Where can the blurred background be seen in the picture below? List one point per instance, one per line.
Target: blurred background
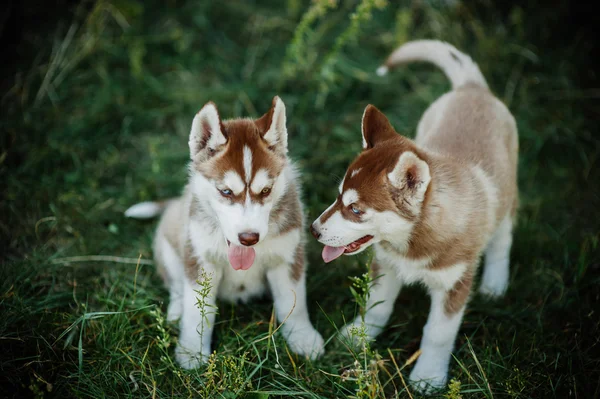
(97, 102)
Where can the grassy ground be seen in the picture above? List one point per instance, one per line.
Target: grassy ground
(99, 118)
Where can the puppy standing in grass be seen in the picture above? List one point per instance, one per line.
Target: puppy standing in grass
(239, 220)
(431, 207)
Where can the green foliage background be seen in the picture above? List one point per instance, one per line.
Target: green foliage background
(98, 119)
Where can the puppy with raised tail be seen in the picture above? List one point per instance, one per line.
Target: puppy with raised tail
(240, 222)
(431, 207)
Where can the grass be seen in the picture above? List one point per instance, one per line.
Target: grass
(98, 120)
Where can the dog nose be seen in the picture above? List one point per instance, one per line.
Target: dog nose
(248, 239)
(314, 232)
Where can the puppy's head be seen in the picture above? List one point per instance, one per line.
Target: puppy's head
(381, 195)
(237, 171)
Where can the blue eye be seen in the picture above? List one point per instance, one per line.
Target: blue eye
(354, 210)
(226, 192)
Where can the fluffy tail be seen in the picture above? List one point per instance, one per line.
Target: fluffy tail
(146, 210)
(458, 66)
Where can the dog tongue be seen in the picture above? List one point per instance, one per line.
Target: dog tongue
(240, 258)
(331, 253)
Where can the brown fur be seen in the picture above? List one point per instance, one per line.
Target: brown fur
(457, 297)
(297, 269)
(375, 269)
(372, 183)
(191, 264)
(451, 225)
(241, 133)
(491, 146)
(287, 213)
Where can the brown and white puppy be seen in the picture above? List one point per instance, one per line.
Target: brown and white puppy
(240, 220)
(431, 207)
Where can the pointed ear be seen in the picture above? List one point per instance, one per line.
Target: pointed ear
(272, 126)
(207, 133)
(375, 127)
(411, 176)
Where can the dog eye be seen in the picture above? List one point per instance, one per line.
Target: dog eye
(226, 192)
(266, 191)
(355, 210)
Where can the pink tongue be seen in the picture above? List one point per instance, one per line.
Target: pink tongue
(240, 257)
(331, 253)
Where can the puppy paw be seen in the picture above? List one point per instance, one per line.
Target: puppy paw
(188, 359)
(427, 379)
(306, 342)
(174, 310)
(493, 289)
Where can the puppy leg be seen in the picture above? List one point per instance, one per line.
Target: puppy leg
(439, 334)
(195, 333)
(171, 268)
(496, 270)
(289, 292)
(380, 304)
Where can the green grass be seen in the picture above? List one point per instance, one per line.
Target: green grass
(99, 120)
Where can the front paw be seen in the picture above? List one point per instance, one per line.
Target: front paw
(189, 359)
(306, 342)
(428, 377)
(174, 310)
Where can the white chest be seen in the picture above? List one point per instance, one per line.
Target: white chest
(242, 285)
(410, 271)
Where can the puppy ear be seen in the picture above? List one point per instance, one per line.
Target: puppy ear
(207, 133)
(272, 126)
(411, 176)
(375, 127)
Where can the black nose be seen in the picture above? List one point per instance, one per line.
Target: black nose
(314, 232)
(248, 239)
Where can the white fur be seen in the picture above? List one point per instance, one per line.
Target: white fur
(416, 271)
(233, 181)
(144, 210)
(362, 129)
(350, 197)
(208, 115)
(355, 172)
(496, 267)
(205, 231)
(274, 255)
(341, 186)
(247, 163)
(460, 70)
(398, 175)
(260, 181)
(193, 347)
(289, 299)
(433, 117)
(380, 305)
(175, 272)
(276, 135)
(431, 370)
(339, 232)
(491, 195)
(235, 218)
(450, 212)
(440, 331)
(383, 226)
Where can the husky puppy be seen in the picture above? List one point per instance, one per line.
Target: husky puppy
(240, 223)
(431, 207)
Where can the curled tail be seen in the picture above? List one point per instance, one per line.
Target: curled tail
(146, 210)
(458, 66)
